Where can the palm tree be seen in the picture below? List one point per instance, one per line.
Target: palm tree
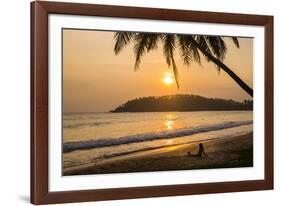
(213, 49)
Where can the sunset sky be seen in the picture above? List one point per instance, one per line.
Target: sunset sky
(97, 80)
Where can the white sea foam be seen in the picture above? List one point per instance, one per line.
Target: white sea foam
(106, 142)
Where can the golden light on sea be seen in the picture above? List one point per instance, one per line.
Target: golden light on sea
(169, 124)
(168, 78)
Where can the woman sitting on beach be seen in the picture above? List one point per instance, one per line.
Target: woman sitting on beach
(201, 152)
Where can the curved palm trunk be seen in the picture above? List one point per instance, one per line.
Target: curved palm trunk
(237, 79)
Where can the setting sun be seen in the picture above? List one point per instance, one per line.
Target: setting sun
(168, 79)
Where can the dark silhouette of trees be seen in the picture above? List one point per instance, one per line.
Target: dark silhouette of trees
(182, 102)
(190, 46)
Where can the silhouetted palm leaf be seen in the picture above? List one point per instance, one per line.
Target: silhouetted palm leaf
(212, 47)
(145, 42)
(203, 43)
(169, 47)
(217, 46)
(235, 41)
(122, 39)
(185, 50)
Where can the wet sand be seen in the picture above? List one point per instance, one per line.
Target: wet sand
(221, 153)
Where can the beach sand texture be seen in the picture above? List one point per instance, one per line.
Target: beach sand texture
(228, 152)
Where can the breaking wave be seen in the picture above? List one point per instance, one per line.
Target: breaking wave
(107, 142)
(88, 124)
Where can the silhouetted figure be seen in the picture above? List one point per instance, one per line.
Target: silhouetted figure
(201, 152)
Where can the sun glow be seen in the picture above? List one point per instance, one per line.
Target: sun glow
(168, 78)
(169, 124)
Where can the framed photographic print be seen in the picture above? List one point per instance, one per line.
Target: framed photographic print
(133, 102)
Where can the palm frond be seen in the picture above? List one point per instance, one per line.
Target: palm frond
(184, 46)
(145, 42)
(169, 47)
(235, 41)
(175, 70)
(188, 50)
(152, 43)
(203, 44)
(140, 47)
(195, 53)
(122, 39)
(217, 45)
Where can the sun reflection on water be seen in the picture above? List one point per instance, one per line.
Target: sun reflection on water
(169, 124)
(169, 141)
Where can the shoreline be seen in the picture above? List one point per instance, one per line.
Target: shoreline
(225, 152)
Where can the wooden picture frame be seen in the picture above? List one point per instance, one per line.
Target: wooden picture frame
(40, 193)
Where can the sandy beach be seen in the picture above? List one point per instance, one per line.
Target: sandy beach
(221, 153)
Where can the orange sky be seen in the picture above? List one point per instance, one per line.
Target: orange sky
(97, 80)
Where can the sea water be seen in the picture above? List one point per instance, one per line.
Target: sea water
(93, 137)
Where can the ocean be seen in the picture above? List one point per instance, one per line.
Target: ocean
(93, 137)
